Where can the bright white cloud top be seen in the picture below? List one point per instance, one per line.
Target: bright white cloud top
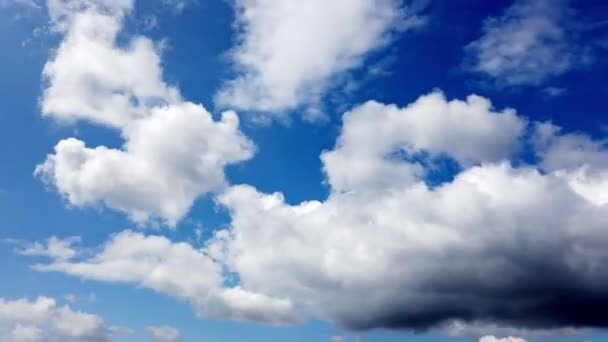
(290, 52)
(173, 152)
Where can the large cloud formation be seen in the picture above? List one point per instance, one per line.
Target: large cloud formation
(500, 242)
(174, 150)
(514, 245)
(290, 52)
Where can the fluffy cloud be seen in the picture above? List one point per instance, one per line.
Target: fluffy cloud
(513, 246)
(375, 136)
(43, 320)
(531, 42)
(289, 52)
(63, 12)
(164, 333)
(90, 78)
(502, 244)
(169, 159)
(178, 270)
(577, 158)
(174, 151)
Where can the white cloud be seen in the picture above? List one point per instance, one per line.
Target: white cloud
(178, 270)
(169, 159)
(90, 78)
(415, 256)
(468, 131)
(289, 52)
(164, 333)
(531, 42)
(53, 247)
(173, 152)
(26, 333)
(506, 339)
(497, 243)
(568, 151)
(42, 320)
(577, 158)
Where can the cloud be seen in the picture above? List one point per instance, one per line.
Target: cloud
(178, 270)
(54, 247)
(530, 43)
(164, 333)
(289, 53)
(25, 3)
(468, 131)
(173, 151)
(43, 320)
(499, 243)
(513, 246)
(506, 339)
(26, 333)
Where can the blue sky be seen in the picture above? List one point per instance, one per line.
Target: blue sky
(189, 170)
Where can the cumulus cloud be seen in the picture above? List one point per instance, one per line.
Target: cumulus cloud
(174, 151)
(164, 333)
(289, 52)
(367, 152)
(503, 244)
(531, 42)
(577, 158)
(513, 246)
(43, 320)
(178, 270)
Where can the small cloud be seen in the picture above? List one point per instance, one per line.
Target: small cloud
(530, 43)
(164, 333)
(554, 91)
(70, 298)
(53, 247)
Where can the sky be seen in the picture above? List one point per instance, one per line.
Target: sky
(274, 170)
